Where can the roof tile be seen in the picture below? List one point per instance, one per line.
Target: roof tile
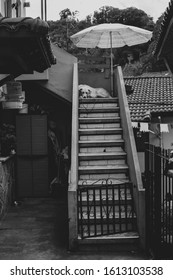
(153, 92)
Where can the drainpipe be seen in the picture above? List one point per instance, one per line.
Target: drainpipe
(44, 10)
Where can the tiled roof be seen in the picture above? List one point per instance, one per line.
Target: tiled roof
(24, 45)
(154, 93)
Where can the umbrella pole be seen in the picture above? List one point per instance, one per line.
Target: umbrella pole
(111, 64)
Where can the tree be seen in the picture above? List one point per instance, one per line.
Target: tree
(106, 14)
(136, 17)
(149, 60)
(61, 30)
(129, 16)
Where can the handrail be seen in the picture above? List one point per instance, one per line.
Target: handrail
(73, 179)
(74, 143)
(132, 157)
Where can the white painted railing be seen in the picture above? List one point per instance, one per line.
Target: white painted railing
(73, 174)
(132, 157)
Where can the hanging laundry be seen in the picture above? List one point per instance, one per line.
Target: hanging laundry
(135, 124)
(144, 127)
(164, 127)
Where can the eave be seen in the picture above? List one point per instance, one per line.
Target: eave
(24, 46)
(163, 48)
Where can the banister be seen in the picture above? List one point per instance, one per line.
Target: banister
(132, 157)
(73, 178)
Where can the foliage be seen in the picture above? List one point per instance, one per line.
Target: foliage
(149, 61)
(129, 16)
(61, 30)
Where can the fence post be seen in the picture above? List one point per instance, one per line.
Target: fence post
(157, 200)
(147, 196)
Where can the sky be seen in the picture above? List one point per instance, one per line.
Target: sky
(153, 8)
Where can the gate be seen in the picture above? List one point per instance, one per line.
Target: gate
(105, 209)
(159, 203)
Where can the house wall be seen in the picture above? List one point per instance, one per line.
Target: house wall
(166, 141)
(61, 74)
(95, 79)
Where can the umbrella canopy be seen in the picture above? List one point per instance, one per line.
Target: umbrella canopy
(111, 35)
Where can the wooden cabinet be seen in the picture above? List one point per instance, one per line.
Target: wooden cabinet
(32, 156)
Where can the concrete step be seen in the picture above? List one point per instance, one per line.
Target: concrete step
(102, 110)
(104, 176)
(98, 100)
(100, 131)
(102, 143)
(100, 150)
(94, 134)
(109, 169)
(99, 120)
(99, 125)
(102, 162)
(101, 159)
(128, 241)
(98, 156)
(98, 115)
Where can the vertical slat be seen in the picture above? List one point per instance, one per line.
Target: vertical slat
(80, 213)
(113, 207)
(88, 211)
(119, 205)
(107, 209)
(126, 216)
(101, 210)
(95, 212)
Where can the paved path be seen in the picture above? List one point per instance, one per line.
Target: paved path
(38, 229)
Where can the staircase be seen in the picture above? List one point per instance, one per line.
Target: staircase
(105, 183)
(105, 205)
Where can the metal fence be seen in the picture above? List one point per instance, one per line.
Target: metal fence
(159, 203)
(105, 209)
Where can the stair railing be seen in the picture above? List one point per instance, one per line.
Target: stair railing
(132, 157)
(73, 174)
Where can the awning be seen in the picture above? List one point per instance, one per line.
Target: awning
(24, 46)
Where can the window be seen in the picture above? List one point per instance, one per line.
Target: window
(8, 8)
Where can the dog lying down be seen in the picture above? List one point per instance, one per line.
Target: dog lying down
(86, 91)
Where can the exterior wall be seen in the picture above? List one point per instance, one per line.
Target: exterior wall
(166, 141)
(94, 80)
(61, 74)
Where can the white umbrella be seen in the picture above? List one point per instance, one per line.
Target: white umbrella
(110, 35)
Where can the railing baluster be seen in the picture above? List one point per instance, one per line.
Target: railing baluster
(88, 211)
(119, 198)
(95, 211)
(101, 210)
(126, 216)
(107, 209)
(113, 207)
